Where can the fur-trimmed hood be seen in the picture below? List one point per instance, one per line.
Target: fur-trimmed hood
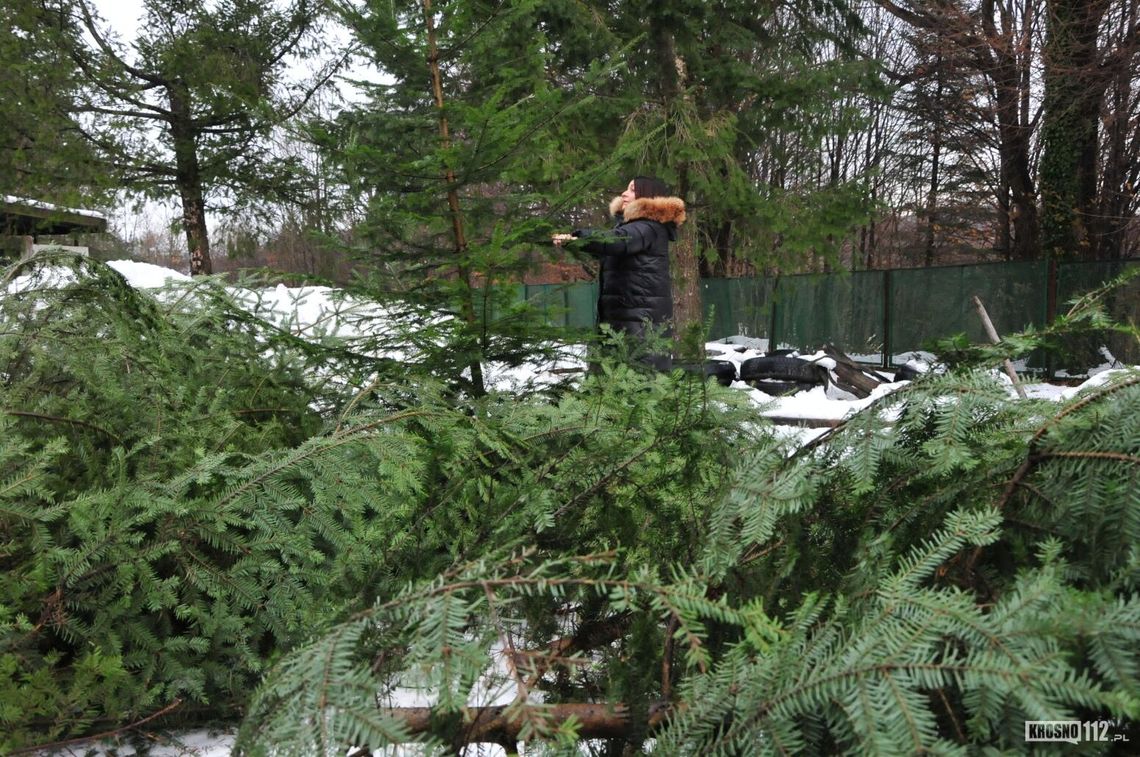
(660, 209)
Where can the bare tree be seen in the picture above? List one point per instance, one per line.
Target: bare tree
(996, 40)
(1114, 223)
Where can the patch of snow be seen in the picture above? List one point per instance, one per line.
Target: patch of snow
(146, 275)
(816, 404)
(42, 278)
(750, 342)
(820, 358)
(1099, 379)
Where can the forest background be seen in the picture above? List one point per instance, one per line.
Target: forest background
(203, 514)
(803, 136)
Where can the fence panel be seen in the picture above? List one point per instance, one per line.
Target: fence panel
(737, 307)
(564, 305)
(871, 313)
(934, 303)
(582, 303)
(844, 309)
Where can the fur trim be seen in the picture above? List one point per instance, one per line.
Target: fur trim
(615, 206)
(660, 209)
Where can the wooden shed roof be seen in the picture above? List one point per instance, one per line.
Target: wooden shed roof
(19, 215)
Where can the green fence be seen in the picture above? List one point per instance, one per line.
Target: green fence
(573, 305)
(882, 316)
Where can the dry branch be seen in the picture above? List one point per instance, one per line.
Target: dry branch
(503, 723)
(991, 332)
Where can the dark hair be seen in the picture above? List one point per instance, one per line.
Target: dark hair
(650, 186)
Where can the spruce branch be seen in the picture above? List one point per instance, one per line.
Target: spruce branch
(56, 745)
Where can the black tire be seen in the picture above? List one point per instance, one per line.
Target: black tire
(907, 373)
(780, 388)
(782, 369)
(722, 370)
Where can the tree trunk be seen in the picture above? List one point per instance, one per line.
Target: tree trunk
(935, 166)
(872, 159)
(685, 263)
(1120, 169)
(1013, 148)
(686, 276)
(459, 237)
(1114, 199)
(1004, 243)
(1074, 87)
(724, 256)
(188, 179)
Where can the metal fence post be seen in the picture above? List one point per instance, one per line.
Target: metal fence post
(773, 343)
(887, 306)
(1050, 310)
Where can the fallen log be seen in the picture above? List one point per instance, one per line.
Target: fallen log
(502, 724)
(849, 376)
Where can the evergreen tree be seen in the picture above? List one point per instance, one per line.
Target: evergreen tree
(42, 153)
(187, 108)
(731, 102)
(452, 158)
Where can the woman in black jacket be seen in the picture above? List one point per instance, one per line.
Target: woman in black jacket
(635, 289)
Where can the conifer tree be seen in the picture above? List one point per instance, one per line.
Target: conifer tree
(454, 158)
(185, 109)
(730, 102)
(42, 153)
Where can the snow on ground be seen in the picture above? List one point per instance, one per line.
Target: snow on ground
(147, 275)
(316, 311)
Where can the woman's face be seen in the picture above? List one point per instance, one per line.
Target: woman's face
(627, 196)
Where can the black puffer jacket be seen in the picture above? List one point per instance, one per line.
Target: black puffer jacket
(634, 281)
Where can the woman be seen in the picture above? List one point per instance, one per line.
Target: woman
(635, 289)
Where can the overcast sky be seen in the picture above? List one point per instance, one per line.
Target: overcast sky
(122, 15)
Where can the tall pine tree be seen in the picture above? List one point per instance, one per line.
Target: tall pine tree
(42, 153)
(185, 110)
(451, 156)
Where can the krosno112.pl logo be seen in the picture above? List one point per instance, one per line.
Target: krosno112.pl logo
(1073, 731)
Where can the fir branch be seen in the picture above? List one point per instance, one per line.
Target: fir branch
(69, 421)
(1091, 455)
(55, 745)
